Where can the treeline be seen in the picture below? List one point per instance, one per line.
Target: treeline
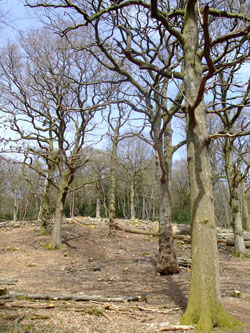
(22, 189)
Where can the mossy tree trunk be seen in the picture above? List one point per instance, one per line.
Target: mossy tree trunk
(245, 210)
(233, 183)
(204, 303)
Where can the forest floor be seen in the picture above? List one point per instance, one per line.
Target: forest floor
(91, 263)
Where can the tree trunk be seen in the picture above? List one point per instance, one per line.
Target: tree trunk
(72, 206)
(204, 303)
(143, 213)
(66, 180)
(239, 245)
(167, 263)
(45, 209)
(15, 207)
(56, 233)
(98, 200)
(132, 199)
(233, 183)
(112, 186)
(245, 211)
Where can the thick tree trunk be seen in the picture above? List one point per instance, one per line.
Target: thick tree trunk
(46, 211)
(132, 199)
(245, 211)
(204, 303)
(167, 263)
(56, 232)
(66, 180)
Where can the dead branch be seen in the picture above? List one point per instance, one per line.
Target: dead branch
(28, 305)
(176, 328)
(7, 282)
(78, 298)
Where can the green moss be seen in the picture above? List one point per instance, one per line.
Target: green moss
(43, 232)
(238, 254)
(205, 321)
(51, 246)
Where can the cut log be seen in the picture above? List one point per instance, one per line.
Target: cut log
(138, 231)
(79, 298)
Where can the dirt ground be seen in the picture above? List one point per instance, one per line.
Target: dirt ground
(90, 263)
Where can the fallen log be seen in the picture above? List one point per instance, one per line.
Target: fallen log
(176, 328)
(28, 305)
(137, 231)
(230, 242)
(7, 282)
(78, 298)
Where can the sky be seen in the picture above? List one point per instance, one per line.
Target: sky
(16, 18)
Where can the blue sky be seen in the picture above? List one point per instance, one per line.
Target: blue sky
(16, 18)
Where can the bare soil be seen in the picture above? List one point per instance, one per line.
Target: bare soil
(91, 263)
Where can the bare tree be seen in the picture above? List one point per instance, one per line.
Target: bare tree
(204, 53)
(50, 104)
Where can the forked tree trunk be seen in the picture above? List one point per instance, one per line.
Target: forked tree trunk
(245, 211)
(204, 303)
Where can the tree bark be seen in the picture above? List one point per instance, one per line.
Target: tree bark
(112, 182)
(66, 180)
(15, 207)
(204, 303)
(167, 263)
(233, 183)
(245, 211)
(98, 200)
(45, 210)
(132, 199)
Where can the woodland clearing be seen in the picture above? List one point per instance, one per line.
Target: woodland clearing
(92, 264)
